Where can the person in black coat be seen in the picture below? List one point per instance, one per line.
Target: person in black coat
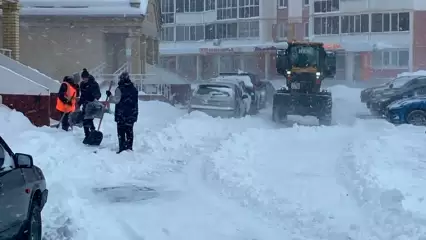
(89, 92)
(68, 100)
(126, 111)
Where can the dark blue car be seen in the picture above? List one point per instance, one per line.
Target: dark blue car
(408, 111)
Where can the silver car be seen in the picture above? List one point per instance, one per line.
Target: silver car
(218, 99)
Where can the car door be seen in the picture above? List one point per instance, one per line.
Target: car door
(13, 197)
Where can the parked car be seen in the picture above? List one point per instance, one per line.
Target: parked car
(408, 111)
(241, 85)
(219, 99)
(411, 86)
(367, 93)
(252, 85)
(23, 195)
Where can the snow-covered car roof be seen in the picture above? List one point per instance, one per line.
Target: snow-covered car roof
(419, 73)
(240, 78)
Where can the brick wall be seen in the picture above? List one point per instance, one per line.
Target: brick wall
(11, 28)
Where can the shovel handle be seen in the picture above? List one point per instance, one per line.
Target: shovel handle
(103, 113)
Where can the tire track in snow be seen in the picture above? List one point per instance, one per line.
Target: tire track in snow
(383, 206)
(300, 223)
(181, 147)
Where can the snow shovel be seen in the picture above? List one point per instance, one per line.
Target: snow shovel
(95, 137)
(59, 123)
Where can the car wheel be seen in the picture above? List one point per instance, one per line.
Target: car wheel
(417, 118)
(34, 225)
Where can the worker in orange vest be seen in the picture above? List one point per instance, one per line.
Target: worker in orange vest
(66, 100)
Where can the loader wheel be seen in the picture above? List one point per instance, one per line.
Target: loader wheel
(417, 118)
(326, 118)
(277, 115)
(324, 121)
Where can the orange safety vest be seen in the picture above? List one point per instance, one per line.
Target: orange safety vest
(71, 95)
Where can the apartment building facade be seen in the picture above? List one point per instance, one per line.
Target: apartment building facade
(374, 39)
(201, 38)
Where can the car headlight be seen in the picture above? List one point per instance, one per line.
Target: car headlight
(318, 74)
(288, 72)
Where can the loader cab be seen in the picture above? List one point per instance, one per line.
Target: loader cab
(304, 56)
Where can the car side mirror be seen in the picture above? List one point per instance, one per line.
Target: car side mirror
(391, 85)
(244, 96)
(23, 160)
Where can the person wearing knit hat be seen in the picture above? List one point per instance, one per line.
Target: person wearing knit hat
(85, 74)
(89, 92)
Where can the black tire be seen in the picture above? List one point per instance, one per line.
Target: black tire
(277, 115)
(34, 225)
(417, 118)
(326, 119)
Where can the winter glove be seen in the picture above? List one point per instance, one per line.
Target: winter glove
(68, 102)
(108, 93)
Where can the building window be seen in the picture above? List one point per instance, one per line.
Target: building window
(226, 30)
(355, 24)
(221, 31)
(325, 6)
(306, 2)
(189, 6)
(282, 3)
(390, 22)
(248, 29)
(210, 31)
(249, 8)
(306, 29)
(168, 34)
(167, 11)
(189, 33)
(210, 5)
(227, 9)
(326, 25)
(391, 59)
(282, 31)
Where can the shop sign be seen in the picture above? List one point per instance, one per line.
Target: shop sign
(332, 46)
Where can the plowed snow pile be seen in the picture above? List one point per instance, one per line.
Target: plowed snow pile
(196, 177)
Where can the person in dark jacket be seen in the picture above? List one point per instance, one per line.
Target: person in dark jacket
(126, 111)
(90, 92)
(66, 100)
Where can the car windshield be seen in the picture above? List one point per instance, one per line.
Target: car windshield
(303, 56)
(214, 90)
(401, 81)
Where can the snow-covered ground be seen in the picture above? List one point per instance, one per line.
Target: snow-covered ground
(232, 178)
